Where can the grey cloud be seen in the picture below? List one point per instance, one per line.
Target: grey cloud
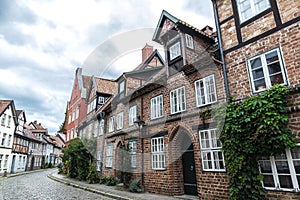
(13, 35)
(11, 11)
(99, 61)
(204, 8)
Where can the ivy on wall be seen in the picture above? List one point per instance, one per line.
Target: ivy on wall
(253, 128)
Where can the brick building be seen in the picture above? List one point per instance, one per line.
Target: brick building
(121, 133)
(76, 108)
(176, 151)
(260, 41)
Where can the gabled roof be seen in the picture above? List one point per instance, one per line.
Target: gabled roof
(165, 15)
(101, 85)
(143, 71)
(4, 104)
(146, 62)
(19, 112)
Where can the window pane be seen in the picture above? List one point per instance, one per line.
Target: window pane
(258, 73)
(276, 79)
(261, 5)
(285, 181)
(282, 167)
(256, 63)
(274, 68)
(265, 166)
(260, 84)
(268, 181)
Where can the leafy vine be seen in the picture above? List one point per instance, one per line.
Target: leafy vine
(253, 128)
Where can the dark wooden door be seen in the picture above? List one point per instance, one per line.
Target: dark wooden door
(189, 171)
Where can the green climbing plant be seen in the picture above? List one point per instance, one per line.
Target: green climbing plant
(253, 128)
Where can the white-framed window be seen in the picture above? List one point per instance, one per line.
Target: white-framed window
(3, 119)
(120, 120)
(77, 113)
(1, 158)
(249, 8)
(211, 151)
(8, 121)
(69, 118)
(158, 153)
(205, 90)
(111, 124)
(101, 131)
(91, 106)
(157, 107)
(189, 41)
(109, 155)
(73, 116)
(132, 115)
(175, 50)
(3, 139)
(132, 150)
(122, 89)
(5, 162)
(266, 70)
(177, 100)
(101, 100)
(9, 140)
(281, 171)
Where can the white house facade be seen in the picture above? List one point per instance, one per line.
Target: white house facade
(8, 123)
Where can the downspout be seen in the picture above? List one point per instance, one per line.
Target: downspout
(221, 49)
(142, 146)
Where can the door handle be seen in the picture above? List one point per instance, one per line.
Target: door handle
(192, 167)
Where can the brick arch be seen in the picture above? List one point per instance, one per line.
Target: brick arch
(175, 133)
(180, 139)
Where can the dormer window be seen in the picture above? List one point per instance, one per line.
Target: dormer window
(122, 89)
(175, 51)
(101, 101)
(189, 41)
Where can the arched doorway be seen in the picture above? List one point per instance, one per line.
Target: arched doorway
(184, 160)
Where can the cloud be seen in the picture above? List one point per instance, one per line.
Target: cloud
(43, 42)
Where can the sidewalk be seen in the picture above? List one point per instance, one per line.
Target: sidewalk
(114, 192)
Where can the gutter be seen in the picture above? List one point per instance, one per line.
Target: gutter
(221, 49)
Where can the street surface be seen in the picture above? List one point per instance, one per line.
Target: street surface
(38, 186)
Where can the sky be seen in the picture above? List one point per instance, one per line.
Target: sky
(42, 42)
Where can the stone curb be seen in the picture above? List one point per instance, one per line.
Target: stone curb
(107, 194)
(26, 172)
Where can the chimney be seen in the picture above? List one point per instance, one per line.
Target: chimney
(146, 52)
(208, 30)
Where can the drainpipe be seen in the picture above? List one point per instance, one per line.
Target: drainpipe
(221, 49)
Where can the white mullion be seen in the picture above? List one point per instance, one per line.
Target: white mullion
(275, 174)
(265, 70)
(211, 150)
(292, 169)
(252, 5)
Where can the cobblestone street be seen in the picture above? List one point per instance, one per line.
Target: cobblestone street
(37, 185)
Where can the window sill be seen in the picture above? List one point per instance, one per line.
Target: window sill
(164, 169)
(178, 113)
(207, 105)
(156, 118)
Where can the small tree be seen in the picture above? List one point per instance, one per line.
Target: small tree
(78, 158)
